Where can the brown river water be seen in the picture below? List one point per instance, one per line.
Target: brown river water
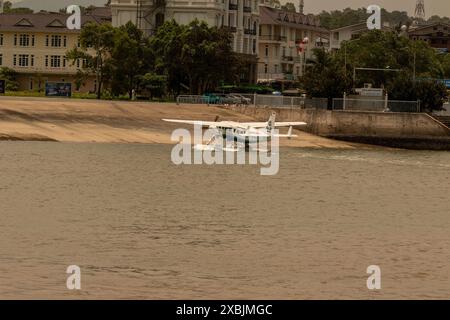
(140, 227)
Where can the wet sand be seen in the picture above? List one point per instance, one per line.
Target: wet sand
(76, 120)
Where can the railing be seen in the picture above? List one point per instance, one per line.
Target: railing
(375, 105)
(250, 31)
(268, 100)
(339, 104)
(276, 76)
(233, 6)
(270, 37)
(230, 28)
(193, 99)
(260, 100)
(247, 9)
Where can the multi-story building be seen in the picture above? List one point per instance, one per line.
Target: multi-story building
(347, 33)
(436, 34)
(286, 40)
(240, 16)
(35, 46)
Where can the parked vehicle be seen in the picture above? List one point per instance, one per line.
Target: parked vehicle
(241, 99)
(211, 98)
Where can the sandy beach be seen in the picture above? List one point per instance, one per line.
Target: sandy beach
(76, 120)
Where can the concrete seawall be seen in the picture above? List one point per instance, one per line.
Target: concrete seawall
(404, 130)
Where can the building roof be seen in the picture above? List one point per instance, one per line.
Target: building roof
(427, 26)
(45, 21)
(268, 15)
(359, 27)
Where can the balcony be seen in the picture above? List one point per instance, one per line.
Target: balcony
(231, 29)
(271, 37)
(288, 76)
(233, 6)
(250, 32)
(276, 76)
(247, 9)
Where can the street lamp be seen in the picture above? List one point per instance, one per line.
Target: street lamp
(305, 43)
(404, 29)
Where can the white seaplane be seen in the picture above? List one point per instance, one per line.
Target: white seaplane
(240, 134)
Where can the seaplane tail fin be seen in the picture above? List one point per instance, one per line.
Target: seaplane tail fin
(290, 133)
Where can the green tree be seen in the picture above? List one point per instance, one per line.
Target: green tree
(10, 77)
(130, 59)
(7, 8)
(325, 77)
(384, 50)
(289, 6)
(341, 18)
(96, 44)
(432, 94)
(153, 84)
(445, 58)
(194, 54)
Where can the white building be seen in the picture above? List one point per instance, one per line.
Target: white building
(240, 16)
(347, 33)
(283, 49)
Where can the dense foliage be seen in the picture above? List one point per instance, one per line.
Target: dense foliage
(340, 18)
(178, 57)
(406, 69)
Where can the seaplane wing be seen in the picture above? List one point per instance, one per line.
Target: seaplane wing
(276, 124)
(233, 124)
(193, 122)
(211, 124)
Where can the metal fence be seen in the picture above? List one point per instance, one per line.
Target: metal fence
(341, 104)
(192, 99)
(267, 100)
(375, 105)
(261, 100)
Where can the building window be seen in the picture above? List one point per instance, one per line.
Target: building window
(31, 83)
(56, 41)
(336, 36)
(65, 41)
(55, 61)
(32, 40)
(46, 40)
(32, 60)
(15, 60)
(265, 68)
(78, 63)
(46, 61)
(267, 51)
(23, 60)
(24, 40)
(1, 59)
(1, 39)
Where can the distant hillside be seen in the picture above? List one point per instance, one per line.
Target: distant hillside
(55, 5)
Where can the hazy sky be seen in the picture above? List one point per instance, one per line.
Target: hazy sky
(439, 7)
